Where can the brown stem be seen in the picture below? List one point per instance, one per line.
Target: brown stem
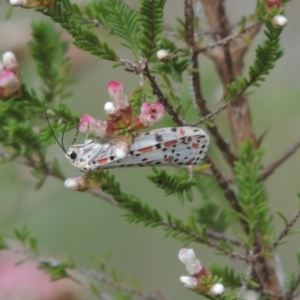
(163, 100)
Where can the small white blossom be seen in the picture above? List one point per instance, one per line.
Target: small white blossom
(188, 282)
(188, 257)
(279, 21)
(17, 2)
(74, 183)
(110, 108)
(217, 289)
(163, 55)
(9, 61)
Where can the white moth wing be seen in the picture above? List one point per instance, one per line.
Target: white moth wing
(179, 146)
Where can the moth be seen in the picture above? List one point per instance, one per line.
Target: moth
(166, 146)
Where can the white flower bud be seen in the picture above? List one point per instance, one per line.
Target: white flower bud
(188, 282)
(120, 153)
(110, 108)
(188, 257)
(216, 289)
(279, 21)
(164, 55)
(9, 61)
(74, 183)
(17, 2)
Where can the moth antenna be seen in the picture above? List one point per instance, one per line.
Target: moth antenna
(60, 145)
(87, 134)
(75, 138)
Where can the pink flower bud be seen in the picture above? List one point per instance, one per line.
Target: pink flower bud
(9, 83)
(188, 257)
(272, 3)
(151, 113)
(10, 62)
(116, 94)
(89, 124)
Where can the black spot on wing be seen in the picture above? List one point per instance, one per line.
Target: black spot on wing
(111, 157)
(159, 138)
(158, 146)
(174, 129)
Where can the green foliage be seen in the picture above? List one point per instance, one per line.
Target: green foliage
(229, 279)
(76, 25)
(136, 100)
(175, 66)
(124, 23)
(252, 196)
(49, 51)
(57, 269)
(99, 11)
(151, 14)
(212, 216)
(172, 184)
(267, 54)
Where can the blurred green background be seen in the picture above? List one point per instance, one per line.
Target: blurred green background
(65, 221)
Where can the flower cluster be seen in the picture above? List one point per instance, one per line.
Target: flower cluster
(9, 76)
(199, 280)
(121, 122)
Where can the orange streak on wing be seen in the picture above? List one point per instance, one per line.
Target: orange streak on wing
(147, 149)
(102, 161)
(195, 145)
(170, 143)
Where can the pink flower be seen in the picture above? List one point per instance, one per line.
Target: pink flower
(272, 3)
(188, 257)
(89, 124)
(9, 83)
(151, 113)
(116, 94)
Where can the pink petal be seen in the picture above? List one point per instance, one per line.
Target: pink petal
(88, 124)
(116, 94)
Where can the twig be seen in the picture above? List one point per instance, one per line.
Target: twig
(199, 239)
(179, 120)
(229, 38)
(285, 232)
(120, 286)
(222, 237)
(33, 164)
(273, 166)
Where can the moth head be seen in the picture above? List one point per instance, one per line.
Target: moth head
(72, 155)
